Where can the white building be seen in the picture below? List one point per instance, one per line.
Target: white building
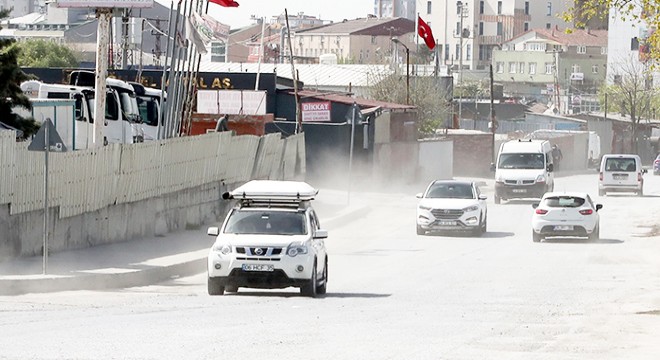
(395, 8)
(21, 7)
(486, 24)
(627, 48)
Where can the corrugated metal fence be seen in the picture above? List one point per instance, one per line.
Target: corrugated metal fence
(88, 180)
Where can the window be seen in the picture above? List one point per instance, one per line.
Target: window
(521, 67)
(548, 26)
(581, 49)
(458, 28)
(549, 13)
(499, 67)
(532, 68)
(481, 7)
(373, 40)
(634, 44)
(576, 68)
(526, 26)
(481, 52)
(548, 68)
(446, 51)
(526, 7)
(594, 69)
(603, 51)
(500, 28)
(499, 7)
(428, 7)
(468, 52)
(458, 51)
(512, 67)
(481, 27)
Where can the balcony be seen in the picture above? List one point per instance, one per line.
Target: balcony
(490, 39)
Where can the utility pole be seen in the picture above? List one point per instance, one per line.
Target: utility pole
(293, 75)
(124, 39)
(103, 39)
(493, 122)
(461, 14)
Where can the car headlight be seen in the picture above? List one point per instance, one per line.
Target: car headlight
(540, 179)
(295, 249)
(222, 248)
(471, 208)
(422, 207)
(499, 179)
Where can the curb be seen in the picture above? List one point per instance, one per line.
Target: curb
(134, 278)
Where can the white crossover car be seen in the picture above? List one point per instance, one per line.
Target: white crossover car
(271, 239)
(451, 205)
(566, 215)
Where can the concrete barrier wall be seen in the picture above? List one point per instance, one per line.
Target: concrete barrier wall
(122, 192)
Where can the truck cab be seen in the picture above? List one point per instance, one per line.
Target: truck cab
(150, 107)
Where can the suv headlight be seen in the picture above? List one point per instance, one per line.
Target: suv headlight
(422, 207)
(222, 248)
(540, 179)
(471, 208)
(295, 249)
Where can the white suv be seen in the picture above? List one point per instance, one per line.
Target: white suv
(449, 205)
(271, 239)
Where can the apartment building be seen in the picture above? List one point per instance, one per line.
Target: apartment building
(21, 7)
(545, 63)
(476, 27)
(359, 41)
(395, 8)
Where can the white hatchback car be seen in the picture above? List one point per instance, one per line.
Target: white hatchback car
(271, 239)
(566, 214)
(450, 205)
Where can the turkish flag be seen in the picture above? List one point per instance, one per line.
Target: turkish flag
(225, 3)
(424, 30)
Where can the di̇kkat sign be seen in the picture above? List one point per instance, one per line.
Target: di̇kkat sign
(316, 111)
(104, 4)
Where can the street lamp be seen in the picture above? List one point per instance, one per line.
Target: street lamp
(396, 41)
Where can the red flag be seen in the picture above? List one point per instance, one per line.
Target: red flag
(424, 30)
(225, 3)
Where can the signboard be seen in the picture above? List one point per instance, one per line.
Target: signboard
(54, 140)
(232, 102)
(104, 3)
(316, 111)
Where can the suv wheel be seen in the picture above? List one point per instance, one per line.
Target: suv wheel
(231, 288)
(601, 192)
(420, 231)
(536, 237)
(310, 289)
(321, 289)
(214, 287)
(595, 235)
(484, 227)
(497, 199)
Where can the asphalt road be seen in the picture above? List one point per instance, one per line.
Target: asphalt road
(391, 295)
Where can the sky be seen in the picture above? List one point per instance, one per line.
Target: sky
(335, 10)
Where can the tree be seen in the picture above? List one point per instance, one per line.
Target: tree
(426, 93)
(42, 53)
(11, 77)
(639, 12)
(632, 94)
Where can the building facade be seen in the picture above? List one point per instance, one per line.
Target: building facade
(395, 8)
(476, 27)
(21, 7)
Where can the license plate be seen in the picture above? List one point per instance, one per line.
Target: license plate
(519, 190)
(258, 267)
(620, 177)
(563, 227)
(447, 223)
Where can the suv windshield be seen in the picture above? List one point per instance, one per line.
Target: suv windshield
(267, 222)
(451, 191)
(522, 161)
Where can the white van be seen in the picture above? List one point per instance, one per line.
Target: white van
(523, 169)
(621, 173)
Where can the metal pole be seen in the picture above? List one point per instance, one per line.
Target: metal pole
(161, 116)
(350, 154)
(460, 63)
(293, 75)
(103, 16)
(45, 259)
(124, 39)
(407, 76)
(261, 52)
(492, 113)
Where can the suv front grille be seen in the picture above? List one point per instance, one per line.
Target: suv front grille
(523, 182)
(448, 214)
(259, 251)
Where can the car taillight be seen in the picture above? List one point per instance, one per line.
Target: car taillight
(601, 176)
(657, 162)
(541, 211)
(586, 212)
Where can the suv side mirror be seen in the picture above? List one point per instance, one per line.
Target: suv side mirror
(482, 197)
(535, 205)
(551, 167)
(492, 166)
(599, 206)
(321, 234)
(213, 231)
(419, 195)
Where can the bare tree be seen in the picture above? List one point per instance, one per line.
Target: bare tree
(632, 94)
(426, 93)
